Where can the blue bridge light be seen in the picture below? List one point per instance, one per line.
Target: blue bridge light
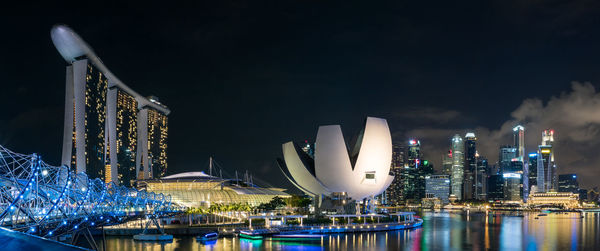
(64, 197)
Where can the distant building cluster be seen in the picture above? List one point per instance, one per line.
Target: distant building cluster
(465, 175)
(110, 131)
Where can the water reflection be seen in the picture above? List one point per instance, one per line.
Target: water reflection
(440, 231)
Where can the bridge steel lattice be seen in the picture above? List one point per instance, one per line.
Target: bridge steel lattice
(49, 201)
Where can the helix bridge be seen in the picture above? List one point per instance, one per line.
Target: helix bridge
(50, 201)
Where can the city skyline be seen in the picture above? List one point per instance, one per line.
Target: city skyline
(266, 97)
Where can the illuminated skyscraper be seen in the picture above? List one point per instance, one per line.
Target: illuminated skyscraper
(531, 173)
(84, 142)
(447, 163)
(506, 156)
(546, 168)
(519, 141)
(410, 174)
(122, 110)
(108, 126)
(457, 166)
(152, 153)
(470, 166)
(568, 183)
(309, 149)
(513, 181)
(481, 178)
(393, 193)
(495, 187)
(437, 186)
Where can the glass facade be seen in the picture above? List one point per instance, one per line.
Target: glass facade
(447, 163)
(457, 166)
(532, 170)
(496, 187)
(470, 166)
(393, 194)
(414, 172)
(481, 179)
(506, 156)
(438, 186)
(547, 179)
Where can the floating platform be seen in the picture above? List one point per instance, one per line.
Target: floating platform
(153, 237)
(357, 228)
(258, 233)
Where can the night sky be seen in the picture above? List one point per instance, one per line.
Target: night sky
(241, 78)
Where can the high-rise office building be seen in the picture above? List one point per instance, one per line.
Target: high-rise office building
(393, 193)
(104, 135)
(495, 187)
(447, 163)
(506, 156)
(309, 149)
(438, 186)
(513, 181)
(546, 168)
(414, 153)
(481, 178)
(457, 166)
(568, 183)
(412, 182)
(532, 172)
(519, 141)
(470, 166)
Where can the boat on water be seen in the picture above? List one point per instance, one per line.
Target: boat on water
(257, 233)
(297, 237)
(208, 236)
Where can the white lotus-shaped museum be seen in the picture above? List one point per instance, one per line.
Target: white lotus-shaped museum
(360, 172)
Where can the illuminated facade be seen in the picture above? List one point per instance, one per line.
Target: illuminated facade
(495, 187)
(152, 153)
(470, 166)
(519, 141)
(124, 136)
(547, 179)
(457, 167)
(438, 186)
(336, 172)
(102, 119)
(554, 199)
(481, 179)
(393, 193)
(84, 145)
(412, 176)
(447, 163)
(197, 189)
(568, 183)
(506, 156)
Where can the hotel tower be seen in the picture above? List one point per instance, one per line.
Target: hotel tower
(110, 131)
